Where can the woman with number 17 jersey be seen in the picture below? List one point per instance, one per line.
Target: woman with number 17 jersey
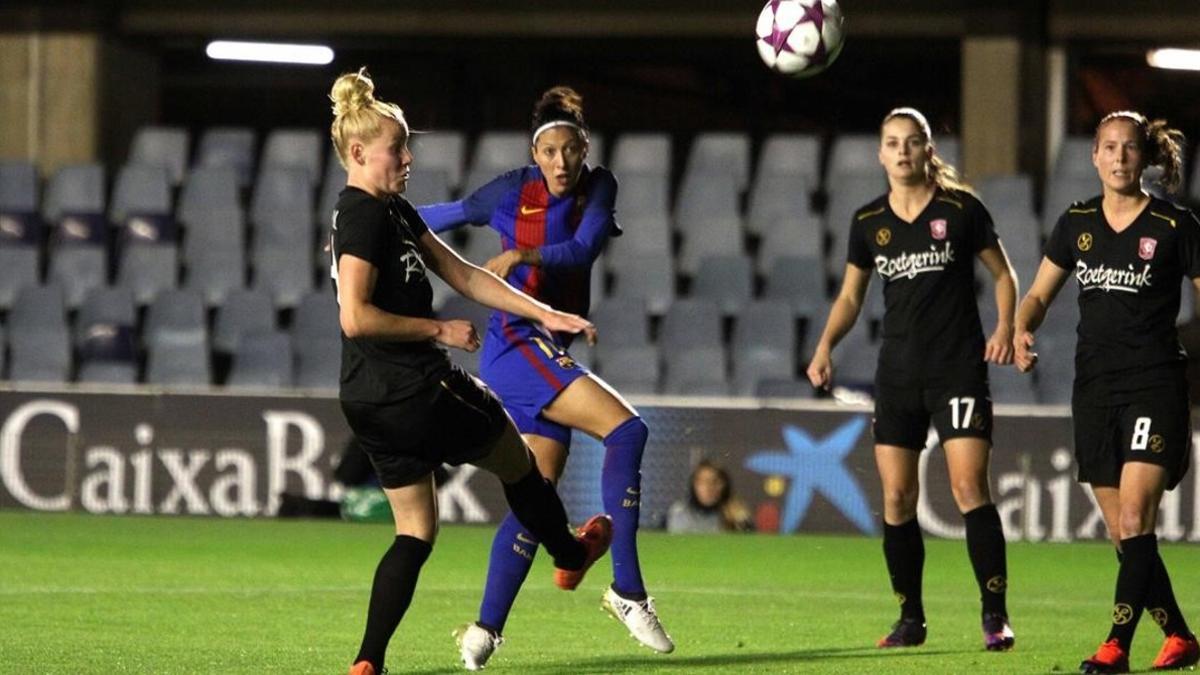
(554, 218)
(922, 239)
(1128, 251)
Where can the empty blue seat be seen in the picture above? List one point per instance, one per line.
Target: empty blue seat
(299, 149)
(229, 147)
(140, 191)
(165, 147)
(727, 280)
(262, 358)
(243, 311)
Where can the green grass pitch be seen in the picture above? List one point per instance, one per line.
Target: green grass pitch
(87, 594)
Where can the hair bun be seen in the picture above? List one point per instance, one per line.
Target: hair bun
(352, 92)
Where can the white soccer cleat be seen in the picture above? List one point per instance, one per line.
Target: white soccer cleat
(641, 620)
(476, 645)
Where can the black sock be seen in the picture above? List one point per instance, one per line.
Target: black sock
(1138, 555)
(985, 547)
(1161, 604)
(392, 591)
(536, 505)
(904, 551)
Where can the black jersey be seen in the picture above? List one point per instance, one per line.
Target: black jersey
(1128, 294)
(385, 233)
(931, 328)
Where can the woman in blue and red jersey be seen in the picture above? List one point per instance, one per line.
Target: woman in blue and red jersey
(554, 217)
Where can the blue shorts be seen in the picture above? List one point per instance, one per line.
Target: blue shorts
(527, 368)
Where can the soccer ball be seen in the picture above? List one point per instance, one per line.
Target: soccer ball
(799, 38)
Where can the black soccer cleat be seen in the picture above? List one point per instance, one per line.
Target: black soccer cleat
(997, 634)
(907, 632)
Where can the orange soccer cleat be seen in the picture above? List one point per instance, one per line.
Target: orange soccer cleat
(595, 535)
(1178, 652)
(1109, 658)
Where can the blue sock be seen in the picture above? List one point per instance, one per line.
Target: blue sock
(512, 556)
(621, 490)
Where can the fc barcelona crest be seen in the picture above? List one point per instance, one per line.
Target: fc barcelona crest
(937, 228)
(1146, 246)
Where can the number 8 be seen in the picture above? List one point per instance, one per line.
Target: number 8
(1141, 433)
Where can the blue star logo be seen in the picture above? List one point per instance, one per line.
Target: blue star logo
(813, 465)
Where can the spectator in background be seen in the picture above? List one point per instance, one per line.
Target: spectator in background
(710, 506)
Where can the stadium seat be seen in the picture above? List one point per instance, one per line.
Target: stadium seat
(764, 340)
(139, 190)
(641, 235)
(164, 147)
(38, 339)
(228, 147)
(647, 276)
(1064, 191)
(621, 322)
(597, 149)
(441, 290)
(1007, 193)
(1187, 302)
(693, 322)
(178, 364)
(77, 189)
(641, 153)
(853, 155)
(331, 186)
(705, 195)
(148, 269)
(18, 189)
(214, 270)
(176, 317)
(242, 312)
(846, 196)
(262, 358)
(299, 149)
(727, 280)
(284, 272)
(1074, 158)
(495, 153)
(104, 337)
(856, 357)
(643, 195)
(18, 269)
(786, 155)
(709, 236)
(696, 371)
(797, 237)
(316, 341)
(947, 148)
(428, 185)
(778, 200)
(207, 193)
(442, 152)
(631, 370)
(799, 281)
(727, 153)
(78, 268)
(282, 191)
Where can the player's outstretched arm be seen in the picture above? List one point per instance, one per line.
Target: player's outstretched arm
(1032, 312)
(490, 290)
(842, 315)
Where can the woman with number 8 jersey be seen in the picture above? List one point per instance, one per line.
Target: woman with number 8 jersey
(1128, 251)
(922, 238)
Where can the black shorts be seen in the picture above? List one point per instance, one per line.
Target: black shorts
(1156, 429)
(456, 420)
(903, 414)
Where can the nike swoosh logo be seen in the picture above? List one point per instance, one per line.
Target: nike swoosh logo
(528, 211)
(523, 538)
(633, 492)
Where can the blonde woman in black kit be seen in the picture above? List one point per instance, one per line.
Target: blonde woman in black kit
(1128, 251)
(409, 408)
(922, 238)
